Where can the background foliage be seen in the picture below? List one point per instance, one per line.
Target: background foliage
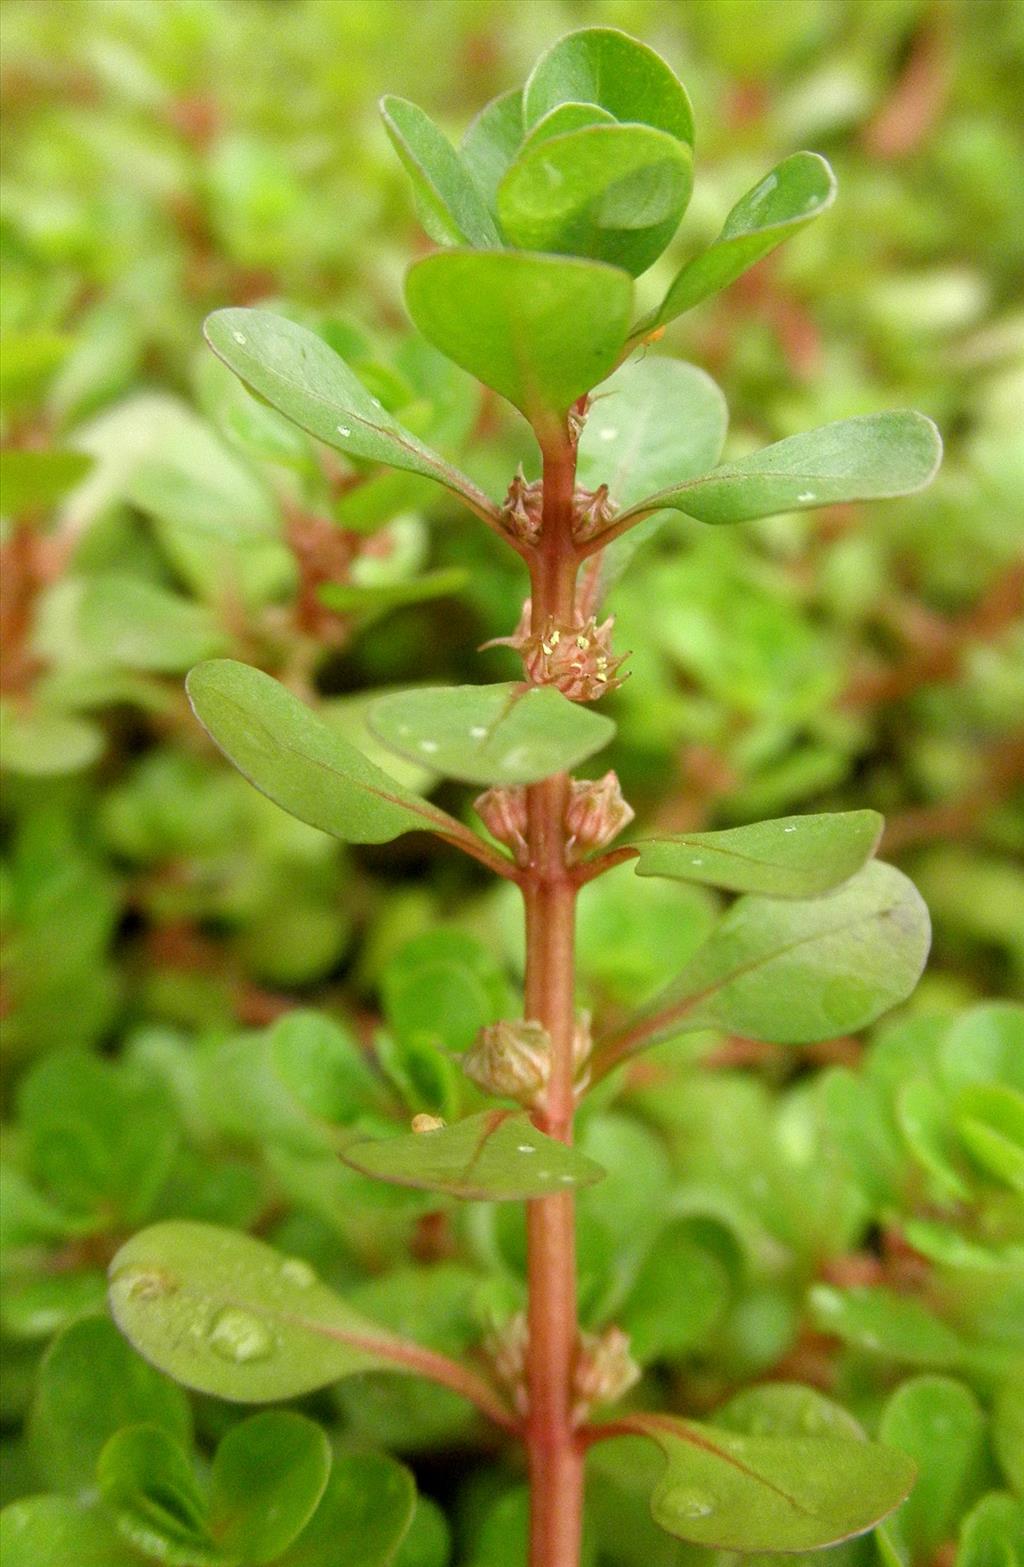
(846, 1217)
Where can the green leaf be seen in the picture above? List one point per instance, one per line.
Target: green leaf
(796, 971)
(146, 1477)
(985, 1044)
(501, 735)
(40, 742)
(370, 599)
(363, 1514)
(880, 1322)
(793, 857)
(939, 1424)
(567, 117)
(492, 141)
(769, 1493)
(992, 1533)
(797, 191)
(451, 206)
(268, 1476)
(604, 66)
(680, 1293)
(990, 1122)
(615, 193)
(36, 479)
(91, 1383)
(541, 330)
(124, 620)
(653, 422)
(786, 1409)
(429, 1541)
(496, 1156)
(54, 1531)
(300, 763)
(101, 1138)
(228, 1315)
(441, 988)
(871, 457)
(322, 1066)
(299, 375)
(1008, 1430)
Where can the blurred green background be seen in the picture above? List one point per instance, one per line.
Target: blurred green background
(166, 157)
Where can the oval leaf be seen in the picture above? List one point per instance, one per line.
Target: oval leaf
(51, 1531)
(148, 1479)
(227, 1315)
(268, 1475)
(294, 758)
(497, 1156)
(541, 330)
(604, 66)
(793, 857)
(503, 735)
(302, 377)
(797, 191)
(939, 1424)
(650, 424)
(362, 1517)
(770, 1493)
(872, 457)
(615, 193)
(492, 141)
(798, 971)
(451, 207)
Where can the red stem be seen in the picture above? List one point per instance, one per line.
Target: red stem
(549, 894)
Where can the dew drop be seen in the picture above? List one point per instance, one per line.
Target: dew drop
(525, 1148)
(789, 829)
(239, 1336)
(430, 746)
(687, 1504)
(145, 1284)
(343, 429)
(376, 402)
(298, 1272)
(609, 433)
(807, 495)
(477, 732)
(240, 337)
(696, 860)
(566, 1180)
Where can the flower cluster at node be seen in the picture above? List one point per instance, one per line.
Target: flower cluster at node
(503, 813)
(604, 1370)
(576, 658)
(592, 512)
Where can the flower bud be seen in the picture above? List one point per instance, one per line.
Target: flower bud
(506, 1349)
(595, 813)
(592, 511)
(521, 512)
(503, 813)
(511, 1059)
(604, 1370)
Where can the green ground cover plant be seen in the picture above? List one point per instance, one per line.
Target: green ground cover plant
(526, 1148)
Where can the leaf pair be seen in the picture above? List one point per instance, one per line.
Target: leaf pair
(592, 159)
(501, 734)
(266, 1479)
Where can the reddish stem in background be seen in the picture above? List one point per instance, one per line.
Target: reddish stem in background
(549, 895)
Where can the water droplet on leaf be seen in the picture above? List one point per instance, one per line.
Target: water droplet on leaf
(238, 1335)
(239, 337)
(525, 1148)
(145, 1284)
(343, 429)
(298, 1272)
(609, 433)
(688, 1504)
